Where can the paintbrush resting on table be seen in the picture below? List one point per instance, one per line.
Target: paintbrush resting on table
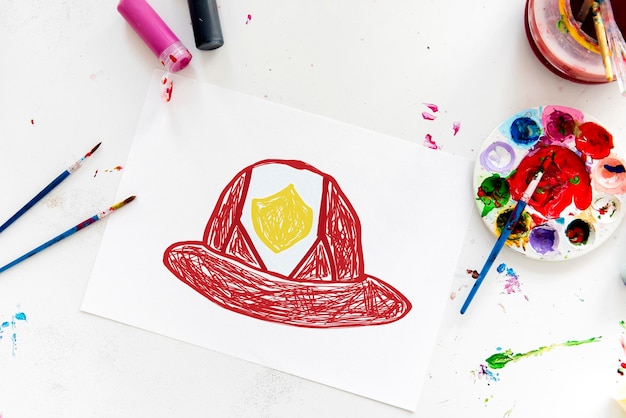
(506, 231)
(54, 183)
(67, 233)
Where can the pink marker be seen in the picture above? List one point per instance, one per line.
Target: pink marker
(155, 33)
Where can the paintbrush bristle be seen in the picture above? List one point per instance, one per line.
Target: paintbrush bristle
(122, 203)
(93, 149)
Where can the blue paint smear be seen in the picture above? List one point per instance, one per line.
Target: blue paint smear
(615, 169)
(10, 328)
(503, 268)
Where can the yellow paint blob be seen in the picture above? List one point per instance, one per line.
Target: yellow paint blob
(282, 219)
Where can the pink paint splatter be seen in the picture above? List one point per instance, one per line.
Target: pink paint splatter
(433, 107)
(428, 116)
(511, 280)
(248, 19)
(429, 143)
(455, 127)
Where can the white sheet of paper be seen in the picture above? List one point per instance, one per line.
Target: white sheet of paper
(413, 203)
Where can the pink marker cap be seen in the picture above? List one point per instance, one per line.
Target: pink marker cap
(155, 33)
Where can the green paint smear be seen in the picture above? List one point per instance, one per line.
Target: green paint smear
(501, 359)
(622, 324)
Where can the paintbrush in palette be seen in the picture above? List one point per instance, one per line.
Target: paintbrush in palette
(54, 183)
(506, 231)
(71, 231)
(616, 44)
(603, 43)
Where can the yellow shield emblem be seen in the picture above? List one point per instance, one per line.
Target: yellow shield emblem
(282, 219)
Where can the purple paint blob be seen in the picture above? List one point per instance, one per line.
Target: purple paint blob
(498, 157)
(544, 239)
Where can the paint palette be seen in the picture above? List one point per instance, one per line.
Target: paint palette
(580, 199)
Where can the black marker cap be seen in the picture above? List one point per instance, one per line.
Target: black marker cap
(207, 31)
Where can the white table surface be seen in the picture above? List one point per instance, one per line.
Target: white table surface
(73, 73)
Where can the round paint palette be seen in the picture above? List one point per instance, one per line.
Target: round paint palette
(580, 199)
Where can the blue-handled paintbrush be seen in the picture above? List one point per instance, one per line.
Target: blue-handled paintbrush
(54, 183)
(67, 233)
(506, 231)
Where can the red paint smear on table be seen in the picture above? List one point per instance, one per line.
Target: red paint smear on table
(429, 143)
(428, 116)
(249, 19)
(32, 122)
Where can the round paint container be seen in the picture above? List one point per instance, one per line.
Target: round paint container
(567, 47)
(581, 198)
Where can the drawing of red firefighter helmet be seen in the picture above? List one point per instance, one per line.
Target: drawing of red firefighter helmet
(283, 244)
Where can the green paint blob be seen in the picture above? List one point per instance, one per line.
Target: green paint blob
(622, 323)
(501, 359)
(493, 192)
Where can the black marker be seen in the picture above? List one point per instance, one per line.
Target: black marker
(207, 31)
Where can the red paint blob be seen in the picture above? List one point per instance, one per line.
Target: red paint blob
(593, 140)
(565, 180)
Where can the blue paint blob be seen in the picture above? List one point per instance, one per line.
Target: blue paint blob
(5, 324)
(501, 268)
(525, 131)
(615, 169)
(20, 316)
